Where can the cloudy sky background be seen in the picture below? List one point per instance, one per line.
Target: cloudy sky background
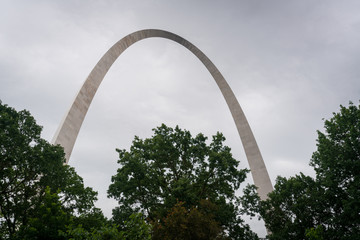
(289, 63)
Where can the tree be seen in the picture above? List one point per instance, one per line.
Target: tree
(90, 220)
(104, 232)
(337, 166)
(194, 224)
(292, 207)
(29, 166)
(172, 166)
(51, 218)
(327, 207)
(135, 228)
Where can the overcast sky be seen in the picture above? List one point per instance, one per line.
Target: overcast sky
(289, 63)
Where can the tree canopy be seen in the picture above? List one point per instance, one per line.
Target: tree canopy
(327, 207)
(172, 167)
(33, 177)
(195, 223)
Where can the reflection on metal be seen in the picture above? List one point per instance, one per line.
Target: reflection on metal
(69, 128)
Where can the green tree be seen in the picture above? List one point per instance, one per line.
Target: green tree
(28, 166)
(90, 220)
(104, 232)
(135, 228)
(194, 224)
(337, 166)
(291, 208)
(327, 207)
(173, 166)
(315, 233)
(51, 218)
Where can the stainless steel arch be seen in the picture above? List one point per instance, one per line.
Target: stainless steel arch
(69, 128)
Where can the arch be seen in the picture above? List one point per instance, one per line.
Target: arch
(70, 126)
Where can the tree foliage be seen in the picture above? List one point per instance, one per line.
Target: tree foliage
(196, 223)
(290, 208)
(50, 219)
(173, 166)
(31, 171)
(327, 207)
(135, 228)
